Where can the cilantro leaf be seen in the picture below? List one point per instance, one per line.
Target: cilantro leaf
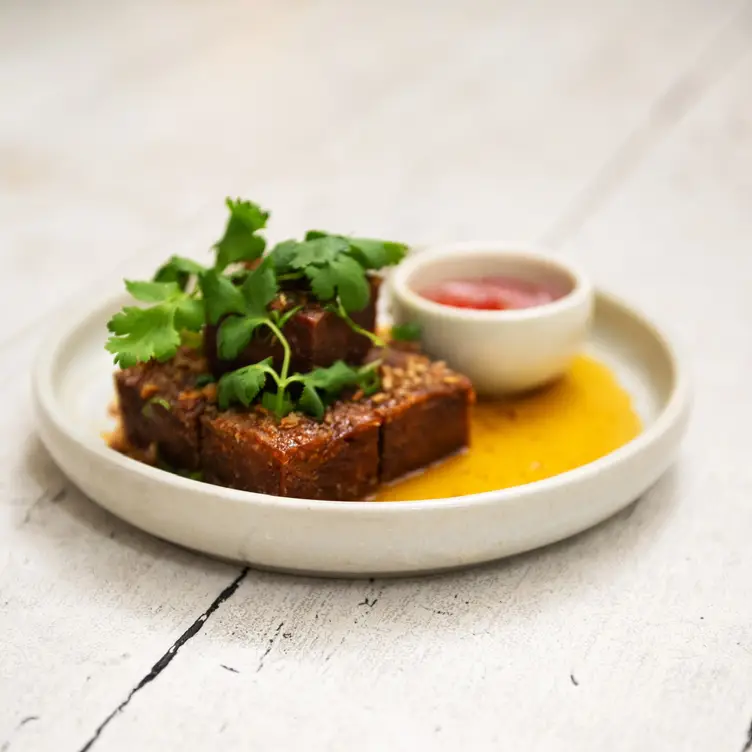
(179, 270)
(260, 288)
(221, 296)
(240, 241)
(376, 254)
(333, 379)
(322, 282)
(338, 275)
(335, 265)
(283, 254)
(249, 301)
(316, 234)
(322, 386)
(368, 252)
(370, 379)
(311, 403)
(243, 385)
(140, 334)
(319, 251)
(189, 314)
(351, 283)
(409, 332)
(238, 276)
(152, 292)
(235, 333)
(143, 334)
(273, 404)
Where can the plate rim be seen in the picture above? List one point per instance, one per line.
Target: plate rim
(675, 409)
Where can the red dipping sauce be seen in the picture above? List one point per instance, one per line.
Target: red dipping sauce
(492, 293)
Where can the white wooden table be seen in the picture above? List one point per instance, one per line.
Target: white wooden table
(618, 132)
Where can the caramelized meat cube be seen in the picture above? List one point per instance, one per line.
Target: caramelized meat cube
(424, 409)
(335, 459)
(160, 406)
(317, 337)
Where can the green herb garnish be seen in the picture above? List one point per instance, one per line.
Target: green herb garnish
(243, 385)
(179, 270)
(249, 304)
(156, 332)
(148, 409)
(320, 387)
(240, 241)
(409, 332)
(204, 379)
(142, 334)
(338, 309)
(184, 295)
(335, 266)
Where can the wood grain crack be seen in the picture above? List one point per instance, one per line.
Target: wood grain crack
(269, 647)
(29, 718)
(748, 744)
(166, 659)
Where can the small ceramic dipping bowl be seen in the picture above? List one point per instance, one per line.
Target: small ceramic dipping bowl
(501, 351)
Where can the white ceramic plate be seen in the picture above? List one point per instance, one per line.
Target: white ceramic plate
(73, 387)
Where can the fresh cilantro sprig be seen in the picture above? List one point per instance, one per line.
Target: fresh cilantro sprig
(178, 312)
(320, 387)
(407, 332)
(244, 385)
(142, 334)
(241, 241)
(180, 270)
(240, 311)
(335, 266)
(184, 295)
(338, 309)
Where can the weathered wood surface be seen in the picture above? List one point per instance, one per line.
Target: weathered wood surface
(619, 132)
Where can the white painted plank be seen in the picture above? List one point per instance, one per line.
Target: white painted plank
(634, 636)
(87, 604)
(383, 145)
(477, 119)
(57, 59)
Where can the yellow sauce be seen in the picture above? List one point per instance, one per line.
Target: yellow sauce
(582, 417)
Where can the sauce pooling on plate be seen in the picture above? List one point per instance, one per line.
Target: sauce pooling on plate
(491, 293)
(580, 418)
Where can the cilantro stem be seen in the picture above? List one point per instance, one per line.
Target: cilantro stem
(339, 309)
(282, 382)
(271, 372)
(372, 366)
(290, 277)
